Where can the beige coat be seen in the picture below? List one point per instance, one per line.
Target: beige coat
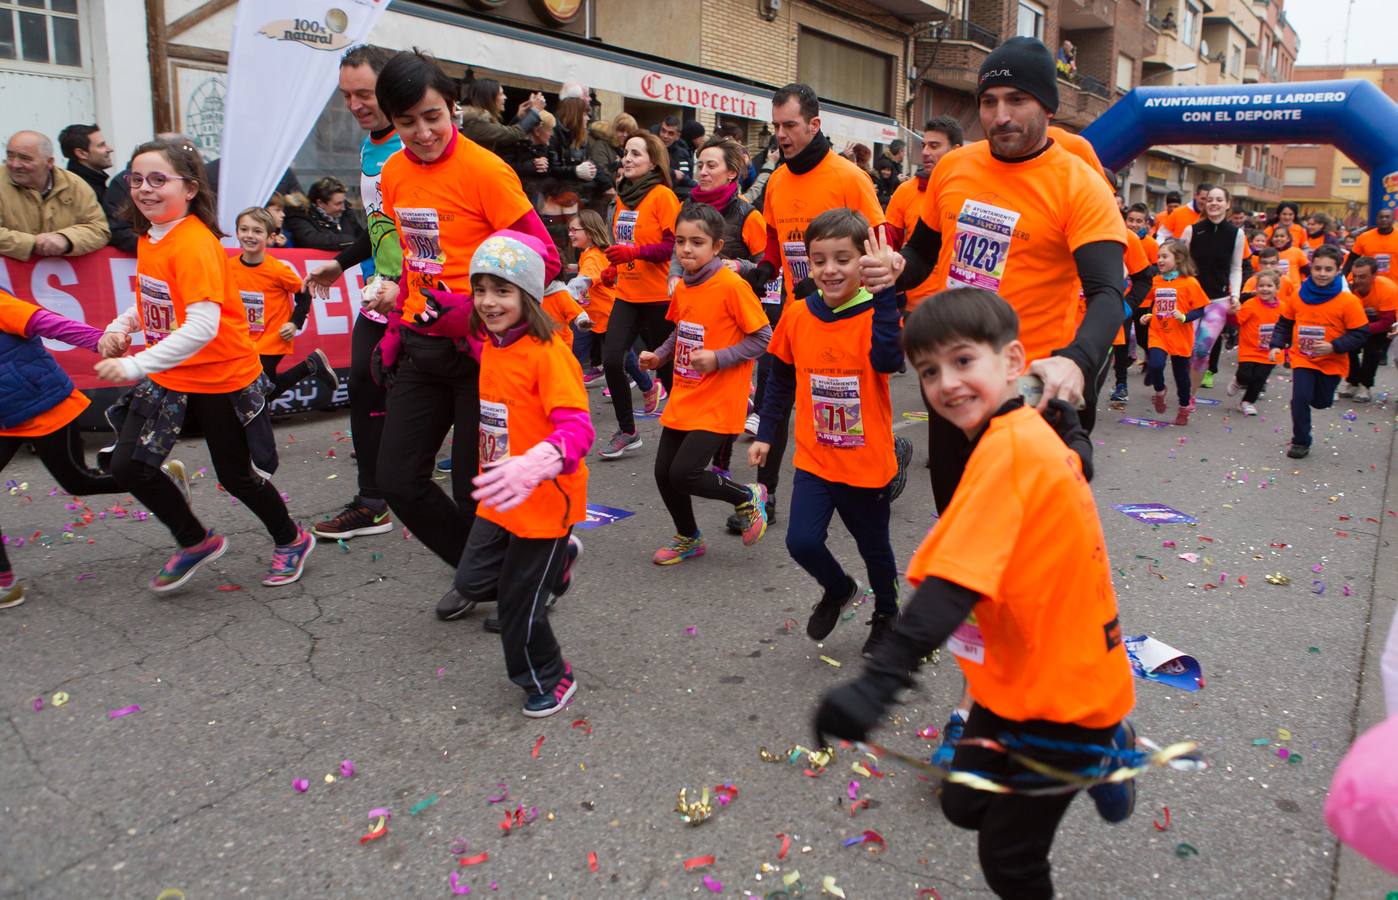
(71, 209)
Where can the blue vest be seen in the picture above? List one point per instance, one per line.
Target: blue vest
(31, 380)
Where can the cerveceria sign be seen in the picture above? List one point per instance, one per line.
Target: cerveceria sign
(682, 92)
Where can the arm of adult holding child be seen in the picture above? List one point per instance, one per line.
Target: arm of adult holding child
(885, 349)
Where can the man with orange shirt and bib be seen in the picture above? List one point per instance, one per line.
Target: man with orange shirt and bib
(1380, 298)
(1379, 243)
(1183, 216)
(1019, 215)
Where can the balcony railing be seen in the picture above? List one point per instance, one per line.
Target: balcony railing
(962, 30)
(1090, 85)
(1258, 179)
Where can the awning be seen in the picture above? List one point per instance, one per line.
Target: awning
(495, 45)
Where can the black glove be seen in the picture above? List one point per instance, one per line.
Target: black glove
(804, 288)
(849, 711)
(1064, 420)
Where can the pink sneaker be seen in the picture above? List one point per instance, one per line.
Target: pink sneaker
(654, 397)
(289, 562)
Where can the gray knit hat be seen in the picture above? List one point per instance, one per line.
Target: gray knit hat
(512, 256)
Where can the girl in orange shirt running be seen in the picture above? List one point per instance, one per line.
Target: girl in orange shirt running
(589, 236)
(1291, 262)
(1176, 301)
(198, 360)
(720, 329)
(1257, 318)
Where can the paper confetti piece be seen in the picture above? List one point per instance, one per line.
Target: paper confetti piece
(38, 704)
(474, 860)
(422, 804)
(500, 797)
(832, 662)
(59, 698)
(346, 769)
(229, 587)
(786, 846)
(585, 725)
(1185, 850)
(456, 886)
(124, 711)
(1166, 825)
(713, 884)
(380, 826)
(537, 744)
(300, 785)
(828, 886)
(698, 862)
(592, 861)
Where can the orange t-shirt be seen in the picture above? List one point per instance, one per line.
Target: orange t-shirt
(755, 233)
(600, 298)
(14, 319)
(1184, 216)
(563, 309)
(266, 290)
(1298, 234)
(443, 210)
(1256, 320)
(1166, 297)
(844, 419)
(1383, 248)
(903, 212)
(1043, 641)
(1383, 296)
(716, 314)
(1322, 322)
(1290, 262)
(187, 266)
(640, 281)
(520, 385)
(1152, 248)
(1012, 228)
(792, 201)
(1082, 148)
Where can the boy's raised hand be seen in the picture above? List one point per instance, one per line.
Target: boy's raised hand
(648, 361)
(880, 265)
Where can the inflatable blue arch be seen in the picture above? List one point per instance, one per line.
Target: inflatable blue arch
(1355, 116)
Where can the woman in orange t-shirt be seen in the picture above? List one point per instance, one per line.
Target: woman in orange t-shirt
(39, 406)
(590, 236)
(644, 231)
(200, 360)
(720, 329)
(1176, 301)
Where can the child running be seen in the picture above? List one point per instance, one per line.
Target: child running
(832, 354)
(720, 329)
(1257, 318)
(1322, 324)
(39, 406)
(534, 432)
(568, 316)
(1176, 301)
(199, 361)
(1036, 635)
(266, 286)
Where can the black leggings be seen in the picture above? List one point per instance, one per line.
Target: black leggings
(287, 380)
(228, 448)
(682, 473)
(627, 322)
(1253, 377)
(367, 402)
(61, 452)
(1364, 362)
(769, 473)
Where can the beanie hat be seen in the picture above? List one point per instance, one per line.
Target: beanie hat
(512, 256)
(1025, 64)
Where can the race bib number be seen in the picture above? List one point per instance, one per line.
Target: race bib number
(835, 406)
(772, 292)
(688, 338)
(982, 247)
(256, 309)
(157, 309)
(967, 642)
(625, 229)
(1284, 267)
(1383, 260)
(1165, 300)
(1307, 336)
(795, 254)
(1264, 337)
(494, 432)
(422, 247)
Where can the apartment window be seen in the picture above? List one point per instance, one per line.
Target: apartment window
(1235, 61)
(1190, 23)
(1302, 176)
(1124, 68)
(1351, 177)
(43, 32)
(1031, 20)
(845, 72)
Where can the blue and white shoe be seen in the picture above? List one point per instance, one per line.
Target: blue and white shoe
(1117, 800)
(443, 467)
(541, 706)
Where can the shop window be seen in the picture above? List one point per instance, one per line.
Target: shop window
(845, 72)
(41, 32)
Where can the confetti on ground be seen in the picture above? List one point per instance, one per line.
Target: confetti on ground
(474, 860)
(300, 785)
(592, 861)
(1163, 826)
(1185, 850)
(585, 725)
(698, 862)
(713, 884)
(346, 769)
(380, 828)
(59, 698)
(832, 662)
(456, 886)
(229, 587)
(786, 846)
(422, 804)
(500, 797)
(828, 886)
(124, 711)
(537, 744)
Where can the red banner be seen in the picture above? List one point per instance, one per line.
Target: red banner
(96, 287)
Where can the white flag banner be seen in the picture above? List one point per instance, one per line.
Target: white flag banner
(284, 62)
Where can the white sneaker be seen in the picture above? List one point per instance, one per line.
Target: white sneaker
(176, 471)
(1234, 387)
(1362, 395)
(751, 426)
(1248, 409)
(1347, 390)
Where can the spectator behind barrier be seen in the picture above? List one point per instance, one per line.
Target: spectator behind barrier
(45, 211)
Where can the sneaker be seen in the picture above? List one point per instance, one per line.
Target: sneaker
(826, 613)
(903, 453)
(1182, 417)
(442, 468)
(1234, 388)
(951, 735)
(1362, 395)
(1298, 451)
(541, 706)
(11, 591)
(574, 552)
(750, 427)
(880, 630)
(1116, 800)
(176, 470)
(289, 561)
(736, 521)
(1347, 390)
(491, 624)
(1247, 408)
(453, 606)
(620, 443)
(654, 397)
(1158, 401)
(725, 474)
(754, 513)
(355, 520)
(679, 549)
(1119, 395)
(594, 378)
(1208, 380)
(327, 381)
(181, 567)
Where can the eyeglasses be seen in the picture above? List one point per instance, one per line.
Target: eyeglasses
(576, 230)
(155, 179)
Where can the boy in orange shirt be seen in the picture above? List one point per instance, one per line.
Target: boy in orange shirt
(1322, 324)
(833, 351)
(1036, 635)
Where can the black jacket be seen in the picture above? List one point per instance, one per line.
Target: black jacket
(309, 228)
(95, 179)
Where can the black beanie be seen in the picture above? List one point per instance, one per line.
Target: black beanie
(1023, 63)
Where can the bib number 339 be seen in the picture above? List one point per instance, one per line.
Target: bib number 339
(982, 248)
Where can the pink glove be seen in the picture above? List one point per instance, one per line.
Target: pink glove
(446, 314)
(386, 351)
(509, 482)
(1362, 808)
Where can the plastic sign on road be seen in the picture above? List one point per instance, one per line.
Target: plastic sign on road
(597, 516)
(1155, 514)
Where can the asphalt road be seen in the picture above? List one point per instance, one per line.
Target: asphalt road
(684, 674)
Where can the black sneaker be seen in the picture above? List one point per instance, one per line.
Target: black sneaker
(1120, 394)
(453, 606)
(903, 452)
(826, 613)
(325, 377)
(355, 520)
(736, 522)
(880, 630)
(491, 624)
(565, 579)
(1298, 451)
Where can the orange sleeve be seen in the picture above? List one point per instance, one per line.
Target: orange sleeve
(1136, 259)
(755, 233)
(780, 345)
(287, 277)
(665, 208)
(1152, 248)
(15, 314)
(200, 269)
(563, 305)
(898, 205)
(745, 308)
(1092, 216)
(591, 265)
(672, 312)
(560, 379)
(498, 191)
(1387, 295)
(1352, 314)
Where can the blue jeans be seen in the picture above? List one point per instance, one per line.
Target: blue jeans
(1310, 389)
(1155, 372)
(865, 512)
